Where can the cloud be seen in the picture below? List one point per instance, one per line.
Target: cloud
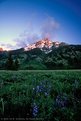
(49, 27)
(26, 39)
(8, 47)
(29, 36)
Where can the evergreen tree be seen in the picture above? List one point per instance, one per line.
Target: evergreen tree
(16, 64)
(9, 63)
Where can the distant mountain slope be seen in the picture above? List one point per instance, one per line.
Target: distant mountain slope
(62, 57)
(45, 55)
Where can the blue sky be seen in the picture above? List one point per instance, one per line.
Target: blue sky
(26, 21)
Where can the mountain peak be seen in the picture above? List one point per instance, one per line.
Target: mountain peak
(42, 43)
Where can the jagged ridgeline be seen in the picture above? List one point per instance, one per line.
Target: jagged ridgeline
(43, 56)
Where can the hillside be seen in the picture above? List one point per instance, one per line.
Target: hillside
(44, 55)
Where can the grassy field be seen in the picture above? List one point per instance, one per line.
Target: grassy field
(41, 95)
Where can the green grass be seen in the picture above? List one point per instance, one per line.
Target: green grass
(55, 93)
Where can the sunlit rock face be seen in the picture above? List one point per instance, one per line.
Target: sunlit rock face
(1, 49)
(42, 43)
(56, 44)
(4, 48)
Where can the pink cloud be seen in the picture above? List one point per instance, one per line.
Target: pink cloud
(49, 27)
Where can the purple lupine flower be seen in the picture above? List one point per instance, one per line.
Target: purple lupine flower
(61, 101)
(35, 110)
(46, 94)
(33, 88)
(44, 87)
(38, 89)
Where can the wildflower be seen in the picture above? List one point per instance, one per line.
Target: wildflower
(38, 89)
(35, 110)
(46, 94)
(61, 101)
(33, 88)
(44, 88)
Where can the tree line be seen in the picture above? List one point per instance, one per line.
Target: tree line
(12, 64)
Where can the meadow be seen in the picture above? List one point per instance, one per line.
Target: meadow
(40, 95)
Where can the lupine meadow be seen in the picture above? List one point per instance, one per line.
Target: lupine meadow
(53, 95)
(40, 60)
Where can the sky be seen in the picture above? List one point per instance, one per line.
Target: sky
(23, 22)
